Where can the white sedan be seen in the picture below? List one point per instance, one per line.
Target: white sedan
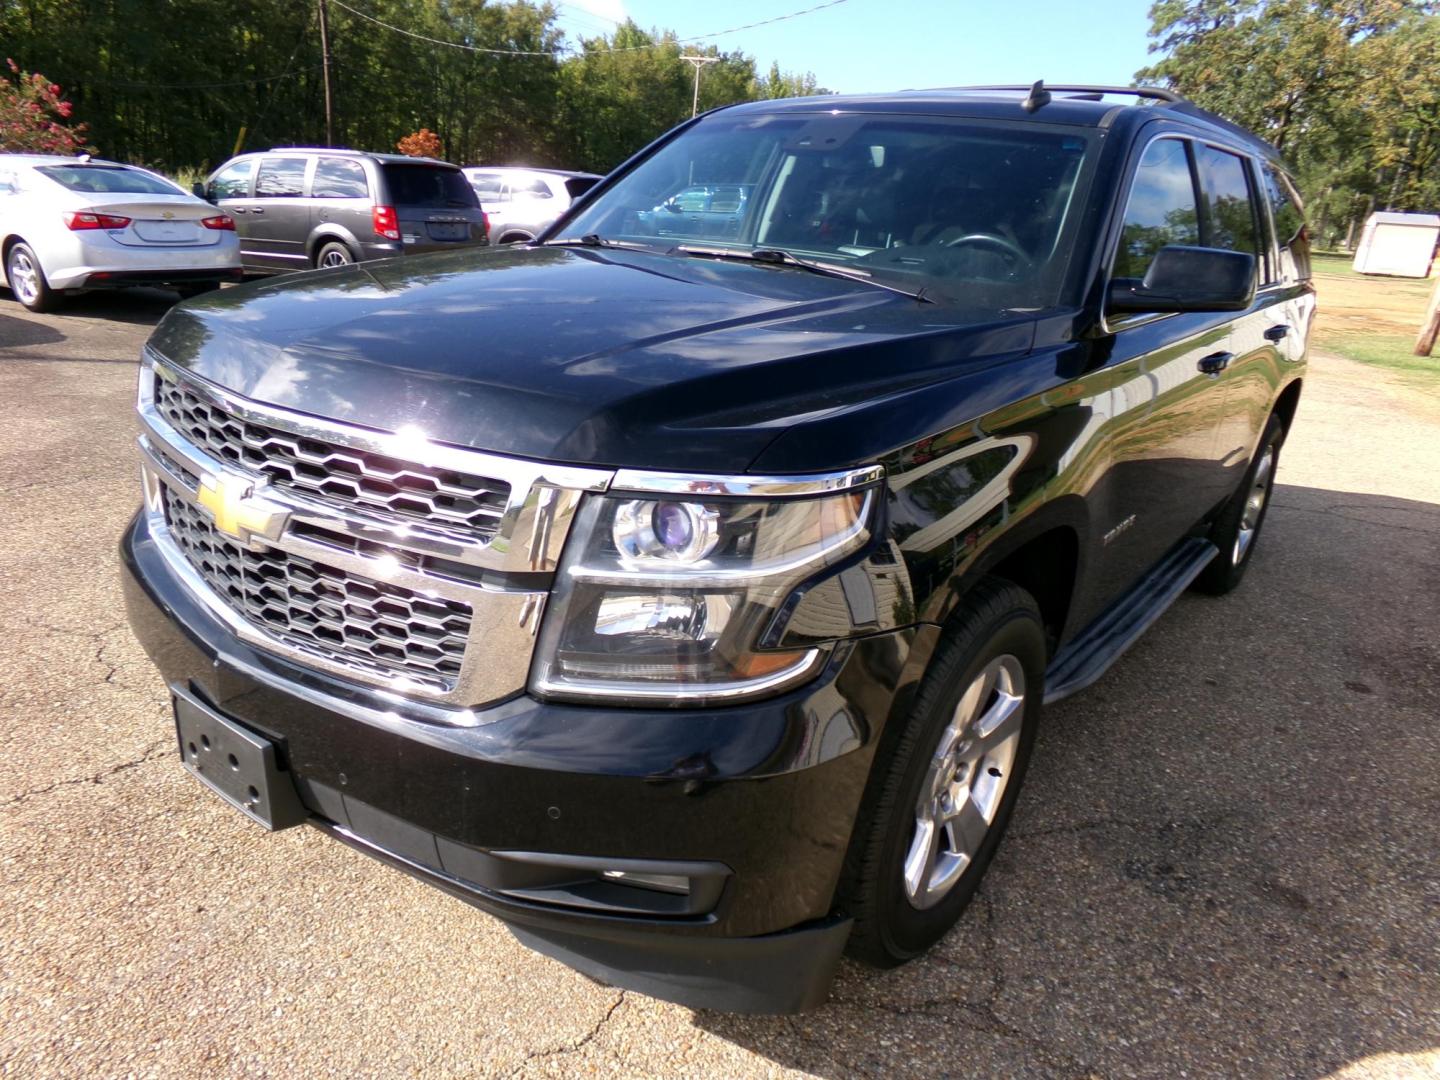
(69, 223)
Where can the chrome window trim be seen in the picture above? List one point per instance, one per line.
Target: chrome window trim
(644, 482)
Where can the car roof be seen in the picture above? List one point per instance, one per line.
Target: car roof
(61, 159)
(341, 151)
(566, 173)
(1078, 106)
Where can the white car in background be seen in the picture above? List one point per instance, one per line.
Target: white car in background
(69, 223)
(522, 203)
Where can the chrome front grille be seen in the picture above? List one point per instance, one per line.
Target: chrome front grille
(444, 499)
(371, 626)
(384, 558)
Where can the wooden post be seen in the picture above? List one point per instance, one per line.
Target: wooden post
(1430, 329)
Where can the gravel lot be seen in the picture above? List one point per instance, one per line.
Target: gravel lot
(1224, 863)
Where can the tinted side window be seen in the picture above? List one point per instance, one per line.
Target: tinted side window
(1229, 211)
(280, 177)
(1162, 208)
(488, 186)
(533, 188)
(1290, 233)
(339, 178)
(233, 181)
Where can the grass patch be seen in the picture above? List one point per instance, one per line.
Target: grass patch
(1374, 320)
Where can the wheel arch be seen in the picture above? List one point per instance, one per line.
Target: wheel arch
(327, 234)
(1043, 554)
(1287, 404)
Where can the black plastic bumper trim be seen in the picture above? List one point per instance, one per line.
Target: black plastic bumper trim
(785, 972)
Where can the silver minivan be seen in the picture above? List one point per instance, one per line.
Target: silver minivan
(301, 207)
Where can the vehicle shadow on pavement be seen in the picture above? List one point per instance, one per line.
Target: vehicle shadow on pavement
(141, 306)
(19, 333)
(1224, 860)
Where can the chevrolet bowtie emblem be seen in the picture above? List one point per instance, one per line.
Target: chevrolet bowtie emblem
(168, 215)
(238, 511)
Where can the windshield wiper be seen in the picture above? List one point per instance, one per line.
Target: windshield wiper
(779, 257)
(595, 240)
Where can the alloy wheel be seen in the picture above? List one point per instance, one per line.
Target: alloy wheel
(24, 277)
(965, 782)
(1255, 501)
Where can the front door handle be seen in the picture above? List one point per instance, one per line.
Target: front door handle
(236, 210)
(1215, 363)
(1276, 333)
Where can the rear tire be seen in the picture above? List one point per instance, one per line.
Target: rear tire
(333, 254)
(516, 238)
(196, 288)
(1237, 528)
(941, 799)
(27, 280)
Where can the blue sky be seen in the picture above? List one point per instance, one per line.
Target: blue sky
(875, 45)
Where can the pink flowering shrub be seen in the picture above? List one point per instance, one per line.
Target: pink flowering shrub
(33, 115)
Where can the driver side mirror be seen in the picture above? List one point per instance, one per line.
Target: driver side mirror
(199, 191)
(1187, 279)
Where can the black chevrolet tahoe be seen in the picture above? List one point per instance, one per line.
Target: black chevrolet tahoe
(691, 603)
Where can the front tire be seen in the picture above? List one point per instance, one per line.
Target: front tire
(944, 795)
(27, 280)
(1237, 528)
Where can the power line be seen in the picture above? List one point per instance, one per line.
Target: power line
(437, 41)
(558, 52)
(767, 22)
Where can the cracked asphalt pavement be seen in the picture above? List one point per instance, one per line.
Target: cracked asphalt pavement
(1224, 862)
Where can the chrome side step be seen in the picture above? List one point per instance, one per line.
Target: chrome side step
(1103, 642)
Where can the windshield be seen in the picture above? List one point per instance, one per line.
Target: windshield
(976, 212)
(107, 179)
(428, 185)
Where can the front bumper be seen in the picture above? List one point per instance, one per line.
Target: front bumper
(762, 798)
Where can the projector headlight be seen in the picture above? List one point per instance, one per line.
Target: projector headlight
(663, 597)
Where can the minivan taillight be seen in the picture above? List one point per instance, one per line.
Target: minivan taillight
(78, 222)
(386, 223)
(223, 222)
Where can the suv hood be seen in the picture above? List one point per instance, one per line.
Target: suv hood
(592, 356)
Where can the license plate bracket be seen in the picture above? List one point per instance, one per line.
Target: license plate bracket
(235, 763)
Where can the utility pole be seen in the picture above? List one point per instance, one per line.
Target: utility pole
(698, 62)
(325, 55)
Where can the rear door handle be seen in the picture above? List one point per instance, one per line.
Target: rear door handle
(1276, 333)
(257, 210)
(1215, 363)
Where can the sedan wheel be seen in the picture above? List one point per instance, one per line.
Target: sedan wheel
(27, 280)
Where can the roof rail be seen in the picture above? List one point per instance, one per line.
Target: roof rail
(1039, 94)
(317, 149)
(1154, 93)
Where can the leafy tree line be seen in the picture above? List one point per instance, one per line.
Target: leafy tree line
(1349, 90)
(180, 84)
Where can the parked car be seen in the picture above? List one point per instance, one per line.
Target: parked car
(692, 605)
(698, 211)
(299, 207)
(523, 203)
(74, 223)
